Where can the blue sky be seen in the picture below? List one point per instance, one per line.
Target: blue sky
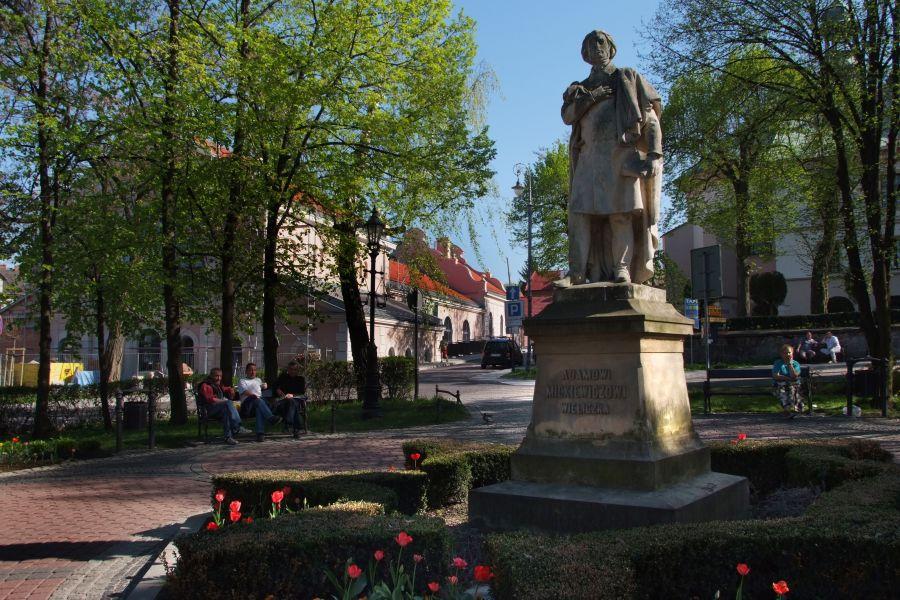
(534, 48)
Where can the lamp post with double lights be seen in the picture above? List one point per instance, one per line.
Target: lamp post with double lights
(519, 189)
(372, 401)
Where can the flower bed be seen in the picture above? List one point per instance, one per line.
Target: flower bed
(845, 545)
(288, 557)
(402, 491)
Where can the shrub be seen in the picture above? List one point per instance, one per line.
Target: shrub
(330, 380)
(449, 479)
(823, 321)
(403, 491)
(397, 375)
(287, 557)
(768, 291)
(846, 545)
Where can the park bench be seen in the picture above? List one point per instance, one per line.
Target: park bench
(203, 417)
(759, 381)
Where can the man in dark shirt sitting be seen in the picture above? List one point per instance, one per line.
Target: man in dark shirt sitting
(291, 387)
(218, 401)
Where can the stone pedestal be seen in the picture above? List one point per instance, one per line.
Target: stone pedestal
(611, 443)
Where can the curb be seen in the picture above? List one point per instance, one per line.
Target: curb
(149, 581)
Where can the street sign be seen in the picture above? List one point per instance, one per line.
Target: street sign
(706, 272)
(512, 292)
(514, 309)
(692, 310)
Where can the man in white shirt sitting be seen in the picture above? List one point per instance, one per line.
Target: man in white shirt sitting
(250, 393)
(830, 347)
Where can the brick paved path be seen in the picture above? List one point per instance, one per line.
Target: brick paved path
(86, 529)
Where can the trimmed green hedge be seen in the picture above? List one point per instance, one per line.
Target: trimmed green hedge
(847, 545)
(403, 491)
(286, 557)
(453, 468)
(823, 321)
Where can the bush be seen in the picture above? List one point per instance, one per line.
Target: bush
(330, 380)
(768, 291)
(449, 479)
(397, 375)
(824, 321)
(401, 491)
(845, 546)
(286, 557)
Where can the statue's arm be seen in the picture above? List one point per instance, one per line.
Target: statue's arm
(652, 134)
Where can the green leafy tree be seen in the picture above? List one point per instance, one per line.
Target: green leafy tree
(548, 181)
(768, 291)
(47, 102)
(841, 60)
(723, 153)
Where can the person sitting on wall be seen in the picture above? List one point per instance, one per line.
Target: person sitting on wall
(250, 389)
(218, 401)
(786, 373)
(807, 348)
(830, 347)
(291, 388)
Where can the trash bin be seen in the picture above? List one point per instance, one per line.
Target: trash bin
(135, 415)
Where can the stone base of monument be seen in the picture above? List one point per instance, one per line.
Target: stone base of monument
(562, 508)
(611, 443)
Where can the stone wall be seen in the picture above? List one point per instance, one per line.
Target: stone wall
(761, 347)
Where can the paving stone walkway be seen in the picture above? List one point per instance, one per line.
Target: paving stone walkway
(89, 529)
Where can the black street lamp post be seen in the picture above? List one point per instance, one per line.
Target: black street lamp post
(372, 400)
(518, 189)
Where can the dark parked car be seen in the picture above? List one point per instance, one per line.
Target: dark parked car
(501, 351)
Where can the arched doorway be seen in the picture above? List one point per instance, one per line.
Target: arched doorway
(448, 330)
(490, 325)
(467, 334)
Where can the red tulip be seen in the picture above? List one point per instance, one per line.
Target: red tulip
(742, 437)
(781, 587)
(734, 441)
(286, 490)
(403, 539)
(453, 579)
(459, 563)
(15, 440)
(211, 526)
(418, 558)
(248, 520)
(379, 554)
(235, 516)
(220, 495)
(415, 456)
(483, 573)
(434, 587)
(235, 506)
(277, 496)
(392, 468)
(353, 571)
(743, 570)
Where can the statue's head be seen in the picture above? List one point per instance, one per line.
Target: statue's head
(598, 48)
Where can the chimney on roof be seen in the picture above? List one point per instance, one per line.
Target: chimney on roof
(442, 245)
(456, 252)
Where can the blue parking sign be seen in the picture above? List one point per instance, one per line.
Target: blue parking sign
(514, 309)
(512, 292)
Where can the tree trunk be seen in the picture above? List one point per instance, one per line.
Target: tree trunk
(115, 351)
(168, 201)
(270, 289)
(42, 425)
(232, 218)
(102, 351)
(347, 251)
(823, 258)
(742, 249)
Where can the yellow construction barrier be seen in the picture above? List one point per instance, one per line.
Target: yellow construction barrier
(59, 373)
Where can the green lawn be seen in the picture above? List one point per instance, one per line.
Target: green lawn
(95, 441)
(521, 374)
(828, 399)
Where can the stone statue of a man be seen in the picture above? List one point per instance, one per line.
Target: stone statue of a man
(615, 169)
